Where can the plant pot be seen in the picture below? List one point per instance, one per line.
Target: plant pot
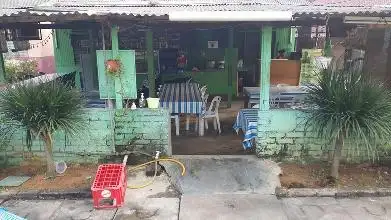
(113, 66)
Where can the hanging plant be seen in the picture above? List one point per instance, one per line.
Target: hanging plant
(113, 67)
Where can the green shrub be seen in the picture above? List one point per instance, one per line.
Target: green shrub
(350, 106)
(16, 70)
(43, 109)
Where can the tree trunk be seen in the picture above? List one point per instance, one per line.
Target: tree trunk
(50, 166)
(337, 156)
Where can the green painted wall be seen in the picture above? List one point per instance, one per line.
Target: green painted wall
(217, 81)
(143, 130)
(63, 51)
(281, 133)
(87, 146)
(63, 54)
(140, 78)
(106, 131)
(127, 77)
(285, 40)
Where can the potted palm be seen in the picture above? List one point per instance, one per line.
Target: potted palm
(43, 109)
(351, 106)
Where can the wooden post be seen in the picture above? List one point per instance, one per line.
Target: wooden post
(115, 55)
(2, 69)
(266, 43)
(150, 63)
(230, 65)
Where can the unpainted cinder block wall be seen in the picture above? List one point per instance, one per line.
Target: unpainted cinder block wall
(105, 132)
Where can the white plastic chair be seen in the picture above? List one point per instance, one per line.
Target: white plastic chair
(204, 98)
(213, 112)
(203, 90)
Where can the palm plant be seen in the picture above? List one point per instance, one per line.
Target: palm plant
(351, 106)
(43, 109)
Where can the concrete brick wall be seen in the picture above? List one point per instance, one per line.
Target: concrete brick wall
(149, 130)
(281, 133)
(144, 130)
(87, 146)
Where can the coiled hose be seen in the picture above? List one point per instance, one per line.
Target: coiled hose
(154, 176)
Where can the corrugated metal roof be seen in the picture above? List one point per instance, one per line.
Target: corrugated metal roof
(9, 7)
(343, 3)
(8, 4)
(164, 7)
(118, 3)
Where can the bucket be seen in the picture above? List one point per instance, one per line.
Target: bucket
(153, 102)
(61, 167)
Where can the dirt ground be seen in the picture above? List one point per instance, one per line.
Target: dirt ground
(226, 143)
(82, 175)
(76, 176)
(351, 176)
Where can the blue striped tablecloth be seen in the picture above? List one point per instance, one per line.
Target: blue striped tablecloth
(181, 98)
(247, 121)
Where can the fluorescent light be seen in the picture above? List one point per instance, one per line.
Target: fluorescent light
(366, 20)
(205, 16)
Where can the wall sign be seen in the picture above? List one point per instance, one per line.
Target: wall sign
(213, 44)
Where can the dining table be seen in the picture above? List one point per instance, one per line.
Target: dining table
(246, 120)
(183, 98)
(285, 93)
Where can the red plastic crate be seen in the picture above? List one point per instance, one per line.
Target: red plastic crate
(108, 188)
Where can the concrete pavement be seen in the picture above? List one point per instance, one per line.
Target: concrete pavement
(225, 174)
(216, 188)
(155, 202)
(259, 207)
(216, 207)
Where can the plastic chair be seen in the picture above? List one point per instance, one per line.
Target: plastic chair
(205, 102)
(213, 112)
(203, 90)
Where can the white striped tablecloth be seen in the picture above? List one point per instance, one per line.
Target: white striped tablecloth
(181, 98)
(247, 121)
